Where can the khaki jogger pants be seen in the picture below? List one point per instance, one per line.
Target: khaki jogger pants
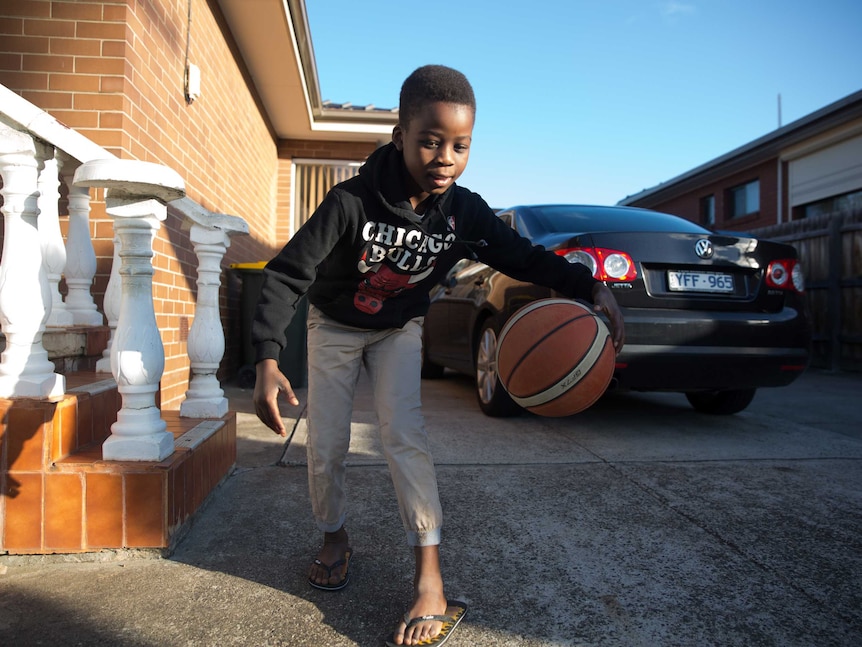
(392, 360)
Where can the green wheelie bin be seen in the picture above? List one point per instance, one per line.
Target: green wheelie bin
(293, 361)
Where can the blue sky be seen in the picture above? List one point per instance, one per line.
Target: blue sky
(592, 100)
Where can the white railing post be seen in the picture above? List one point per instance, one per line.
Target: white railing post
(25, 298)
(205, 398)
(80, 256)
(53, 250)
(111, 306)
(210, 234)
(137, 354)
(136, 200)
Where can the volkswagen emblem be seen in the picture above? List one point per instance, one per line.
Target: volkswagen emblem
(703, 248)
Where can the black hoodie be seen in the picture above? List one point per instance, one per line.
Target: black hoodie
(366, 259)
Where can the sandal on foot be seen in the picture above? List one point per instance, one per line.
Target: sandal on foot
(455, 610)
(345, 562)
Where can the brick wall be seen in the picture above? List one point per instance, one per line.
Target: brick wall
(687, 204)
(290, 148)
(114, 71)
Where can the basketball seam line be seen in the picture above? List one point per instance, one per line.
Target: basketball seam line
(526, 354)
(528, 309)
(556, 390)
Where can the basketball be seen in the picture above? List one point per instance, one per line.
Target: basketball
(555, 357)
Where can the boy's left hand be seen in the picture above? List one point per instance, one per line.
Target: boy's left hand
(605, 302)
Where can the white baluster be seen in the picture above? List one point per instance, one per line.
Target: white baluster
(111, 306)
(205, 398)
(25, 298)
(137, 353)
(53, 251)
(80, 256)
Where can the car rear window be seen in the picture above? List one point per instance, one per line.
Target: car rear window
(572, 218)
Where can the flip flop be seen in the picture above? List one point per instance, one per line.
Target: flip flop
(345, 561)
(455, 610)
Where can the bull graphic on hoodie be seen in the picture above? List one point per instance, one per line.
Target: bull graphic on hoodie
(395, 258)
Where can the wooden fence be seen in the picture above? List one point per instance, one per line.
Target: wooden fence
(830, 247)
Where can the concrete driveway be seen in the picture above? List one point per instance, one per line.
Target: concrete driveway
(637, 523)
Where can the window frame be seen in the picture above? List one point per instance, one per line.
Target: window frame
(311, 180)
(848, 202)
(707, 215)
(732, 193)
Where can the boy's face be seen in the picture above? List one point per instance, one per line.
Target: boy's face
(436, 147)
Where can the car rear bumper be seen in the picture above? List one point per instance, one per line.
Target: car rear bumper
(693, 368)
(690, 350)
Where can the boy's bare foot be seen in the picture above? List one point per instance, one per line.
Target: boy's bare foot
(428, 599)
(424, 604)
(330, 569)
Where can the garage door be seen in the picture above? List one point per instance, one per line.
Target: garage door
(828, 172)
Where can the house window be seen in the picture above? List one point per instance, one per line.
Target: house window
(848, 202)
(312, 180)
(707, 211)
(744, 199)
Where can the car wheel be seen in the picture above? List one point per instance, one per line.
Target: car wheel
(493, 399)
(721, 403)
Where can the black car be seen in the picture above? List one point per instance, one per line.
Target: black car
(713, 315)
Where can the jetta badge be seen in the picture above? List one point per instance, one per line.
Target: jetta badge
(703, 248)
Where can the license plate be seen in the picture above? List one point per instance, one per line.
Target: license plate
(699, 282)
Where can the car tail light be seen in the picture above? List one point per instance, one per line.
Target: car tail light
(605, 264)
(785, 274)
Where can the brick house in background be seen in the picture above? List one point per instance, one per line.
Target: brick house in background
(225, 96)
(808, 167)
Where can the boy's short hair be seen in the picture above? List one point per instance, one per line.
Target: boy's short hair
(432, 83)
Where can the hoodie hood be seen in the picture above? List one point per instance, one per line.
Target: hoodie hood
(384, 174)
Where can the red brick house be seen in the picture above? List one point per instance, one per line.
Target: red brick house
(204, 121)
(808, 167)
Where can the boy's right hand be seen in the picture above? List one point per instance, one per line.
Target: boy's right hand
(270, 381)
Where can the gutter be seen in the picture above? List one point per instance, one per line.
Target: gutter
(322, 118)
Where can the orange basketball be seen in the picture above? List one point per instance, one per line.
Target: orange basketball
(555, 357)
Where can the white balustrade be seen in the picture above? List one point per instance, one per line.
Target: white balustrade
(136, 200)
(48, 223)
(205, 398)
(25, 297)
(80, 256)
(111, 306)
(210, 234)
(37, 156)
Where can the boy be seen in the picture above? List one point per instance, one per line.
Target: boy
(367, 259)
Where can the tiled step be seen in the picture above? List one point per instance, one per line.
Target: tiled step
(57, 495)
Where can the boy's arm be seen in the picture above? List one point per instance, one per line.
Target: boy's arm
(604, 301)
(289, 275)
(516, 256)
(285, 279)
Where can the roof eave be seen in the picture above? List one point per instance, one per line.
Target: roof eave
(274, 39)
(754, 152)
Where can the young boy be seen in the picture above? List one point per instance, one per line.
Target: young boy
(367, 259)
